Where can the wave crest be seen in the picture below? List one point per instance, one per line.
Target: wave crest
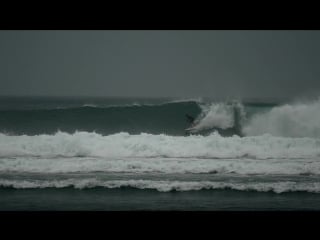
(295, 120)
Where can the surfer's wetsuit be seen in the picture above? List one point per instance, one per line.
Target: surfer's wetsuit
(190, 118)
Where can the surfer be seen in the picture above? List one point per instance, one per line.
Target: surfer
(234, 130)
(190, 119)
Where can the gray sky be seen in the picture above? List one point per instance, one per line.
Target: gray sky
(241, 64)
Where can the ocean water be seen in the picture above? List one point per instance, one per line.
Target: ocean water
(136, 154)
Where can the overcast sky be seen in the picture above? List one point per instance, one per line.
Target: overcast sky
(241, 64)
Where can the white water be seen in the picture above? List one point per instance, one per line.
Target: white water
(161, 165)
(290, 120)
(214, 115)
(90, 152)
(165, 186)
(84, 144)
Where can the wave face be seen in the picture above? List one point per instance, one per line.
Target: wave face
(168, 118)
(163, 118)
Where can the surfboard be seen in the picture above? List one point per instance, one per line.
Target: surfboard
(190, 129)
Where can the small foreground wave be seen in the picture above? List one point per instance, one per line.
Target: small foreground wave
(164, 186)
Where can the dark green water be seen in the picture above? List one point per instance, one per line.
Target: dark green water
(128, 199)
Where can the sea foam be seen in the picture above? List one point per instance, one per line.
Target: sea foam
(85, 144)
(165, 186)
(289, 120)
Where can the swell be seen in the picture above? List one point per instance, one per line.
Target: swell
(227, 118)
(167, 118)
(287, 120)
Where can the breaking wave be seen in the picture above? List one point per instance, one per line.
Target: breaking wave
(165, 186)
(228, 118)
(289, 120)
(168, 118)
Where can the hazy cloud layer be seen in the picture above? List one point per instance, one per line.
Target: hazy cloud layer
(160, 63)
